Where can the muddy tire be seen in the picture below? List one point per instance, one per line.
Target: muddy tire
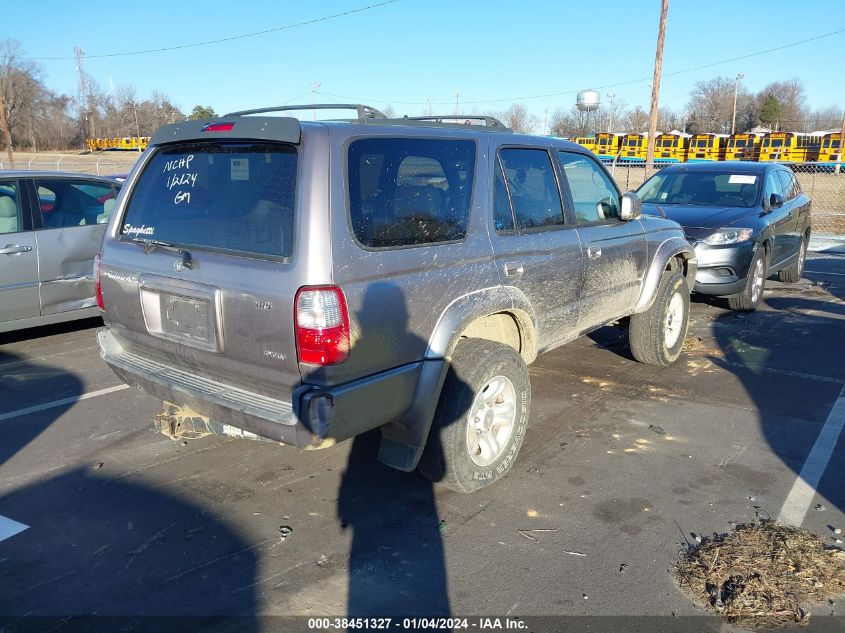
(657, 335)
(793, 273)
(749, 299)
(481, 417)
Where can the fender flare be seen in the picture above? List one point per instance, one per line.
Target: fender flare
(403, 442)
(475, 305)
(666, 251)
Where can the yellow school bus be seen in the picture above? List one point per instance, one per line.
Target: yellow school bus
(830, 151)
(608, 145)
(671, 148)
(707, 147)
(634, 147)
(790, 147)
(587, 142)
(743, 146)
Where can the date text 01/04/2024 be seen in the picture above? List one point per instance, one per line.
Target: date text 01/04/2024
(433, 624)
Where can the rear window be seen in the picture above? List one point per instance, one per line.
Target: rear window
(236, 197)
(406, 191)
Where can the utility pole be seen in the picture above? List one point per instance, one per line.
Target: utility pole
(7, 134)
(611, 96)
(429, 111)
(841, 146)
(739, 77)
(457, 102)
(137, 127)
(546, 122)
(655, 87)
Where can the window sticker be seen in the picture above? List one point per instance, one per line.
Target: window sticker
(240, 168)
(742, 179)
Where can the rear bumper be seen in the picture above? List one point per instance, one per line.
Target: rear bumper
(313, 418)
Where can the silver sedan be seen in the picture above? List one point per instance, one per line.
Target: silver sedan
(51, 225)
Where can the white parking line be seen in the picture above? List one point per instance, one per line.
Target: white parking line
(8, 528)
(60, 403)
(801, 496)
(819, 272)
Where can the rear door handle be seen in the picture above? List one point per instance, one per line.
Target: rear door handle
(593, 252)
(14, 249)
(514, 269)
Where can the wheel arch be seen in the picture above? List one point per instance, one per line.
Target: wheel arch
(673, 254)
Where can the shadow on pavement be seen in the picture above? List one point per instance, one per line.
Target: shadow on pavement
(396, 559)
(106, 546)
(789, 363)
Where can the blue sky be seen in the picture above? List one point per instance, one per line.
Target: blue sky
(493, 53)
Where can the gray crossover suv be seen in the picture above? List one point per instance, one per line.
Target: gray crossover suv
(305, 282)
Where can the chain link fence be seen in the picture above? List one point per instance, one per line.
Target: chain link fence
(81, 164)
(824, 183)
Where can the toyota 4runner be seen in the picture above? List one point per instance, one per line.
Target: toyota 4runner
(306, 282)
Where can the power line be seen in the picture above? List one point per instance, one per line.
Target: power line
(606, 86)
(231, 38)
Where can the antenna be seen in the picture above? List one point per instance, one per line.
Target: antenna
(314, 85)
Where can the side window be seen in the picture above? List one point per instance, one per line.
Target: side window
(796, 186)
(66, 203)
(786, 183)
(407, 191)
(773, 185)
(533, 188)
(594, 195)
(504, 211)
(10, 209)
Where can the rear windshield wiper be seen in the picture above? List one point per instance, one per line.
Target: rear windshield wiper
(150, 245)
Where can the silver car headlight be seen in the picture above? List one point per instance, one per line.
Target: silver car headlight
(728, 236)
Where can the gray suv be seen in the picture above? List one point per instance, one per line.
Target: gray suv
(305, 282)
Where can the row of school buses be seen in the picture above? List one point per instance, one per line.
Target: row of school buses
(790, 147)
(133, 143)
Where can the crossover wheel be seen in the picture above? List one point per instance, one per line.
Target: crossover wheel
(793, 273)
(481, 417)
(749, 299)
(657, 335)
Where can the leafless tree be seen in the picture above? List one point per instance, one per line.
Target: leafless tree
(519, 119)
(793, 103)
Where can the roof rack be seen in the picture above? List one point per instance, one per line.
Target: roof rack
(488, 121)
(364, 111)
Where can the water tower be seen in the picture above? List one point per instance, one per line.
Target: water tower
(588, 100)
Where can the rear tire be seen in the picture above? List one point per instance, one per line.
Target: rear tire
(481, 417)
(749, 299)
(793, 273)
(656, 336)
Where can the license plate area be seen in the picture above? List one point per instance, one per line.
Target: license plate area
(185, 318)
(183, 312)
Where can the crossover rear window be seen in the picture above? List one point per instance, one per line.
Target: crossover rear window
(407, 191)
(225, 196)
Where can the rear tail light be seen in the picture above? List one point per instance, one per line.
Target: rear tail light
(322, 325)
(98, 289)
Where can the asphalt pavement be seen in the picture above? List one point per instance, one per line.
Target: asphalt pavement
(623, 464)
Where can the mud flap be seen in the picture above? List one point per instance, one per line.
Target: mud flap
(403, 442)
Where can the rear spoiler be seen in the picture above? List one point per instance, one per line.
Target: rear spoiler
(284, 129)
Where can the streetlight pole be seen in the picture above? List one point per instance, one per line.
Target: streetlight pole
(611, 96)
(739, 77)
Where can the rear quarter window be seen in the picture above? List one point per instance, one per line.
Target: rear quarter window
(233, 197)
(409, 191)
